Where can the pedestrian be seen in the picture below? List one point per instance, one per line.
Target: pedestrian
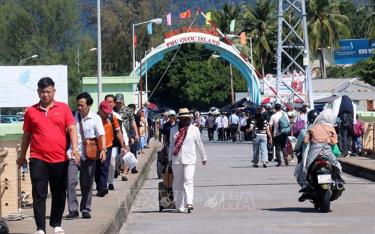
(167, 127)
(92, 129)
(210, 123)
(219, 128)
(234, 122)
(346, 125)
(261, 129)
(279, 122)
(112, 130)
(116, 159)
(226, 127)
(357, 137)
(128, 120)
(45, 127)
(243, 122)
(142, 130)
(185, 144)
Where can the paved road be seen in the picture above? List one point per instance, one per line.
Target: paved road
(233, 197)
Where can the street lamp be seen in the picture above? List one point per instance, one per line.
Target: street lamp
(231, 36)
(77, 59)
(22, 61)
(156, 21)
(231, 78)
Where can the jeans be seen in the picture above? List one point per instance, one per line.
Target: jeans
(42, 173)
(101, 171)
(357, 145)
(260, 148)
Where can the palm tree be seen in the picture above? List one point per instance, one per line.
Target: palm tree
(369, 11)
(223, 18)
(260, 22)
(326, 25)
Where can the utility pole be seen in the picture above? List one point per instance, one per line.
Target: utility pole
(293, 47)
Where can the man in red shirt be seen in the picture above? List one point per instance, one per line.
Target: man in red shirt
(45, 127)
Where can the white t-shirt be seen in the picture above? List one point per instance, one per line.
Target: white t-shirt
(225, 121)
(274, 121)
(219, 122)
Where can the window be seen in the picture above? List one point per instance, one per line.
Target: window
(370, 105)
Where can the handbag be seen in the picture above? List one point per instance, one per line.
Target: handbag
(336, 151)
(90, 146)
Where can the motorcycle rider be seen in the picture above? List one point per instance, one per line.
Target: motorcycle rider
(321, 136)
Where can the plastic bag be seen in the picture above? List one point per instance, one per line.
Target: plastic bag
(130, 160)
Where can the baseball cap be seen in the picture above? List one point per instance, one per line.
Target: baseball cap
(119, 97)
(105, 106)
(171, 113)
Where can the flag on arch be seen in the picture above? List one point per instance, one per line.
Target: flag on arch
(149, 28)
(208, 17)
(185, 14)
(169, 19)
(232, 25)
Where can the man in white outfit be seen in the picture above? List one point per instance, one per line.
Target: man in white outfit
(185, 143)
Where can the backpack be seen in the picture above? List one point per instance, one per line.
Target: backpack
(347, 121)
(284, 125)
(358, 129)
(298, 126)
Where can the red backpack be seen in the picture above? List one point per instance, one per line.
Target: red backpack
(358, 129)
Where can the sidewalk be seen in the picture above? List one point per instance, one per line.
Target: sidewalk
(108, 213)
(359, 166)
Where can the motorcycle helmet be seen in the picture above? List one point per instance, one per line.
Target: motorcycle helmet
(311, 116)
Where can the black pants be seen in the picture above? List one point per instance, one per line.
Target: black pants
(55, 174)
(101, 171)
(234, 129)
(210, 132)
(345, 140)
(280, 145)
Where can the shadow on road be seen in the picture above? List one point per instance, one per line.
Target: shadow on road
(155, 211)
(294, 209)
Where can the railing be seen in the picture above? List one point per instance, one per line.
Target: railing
(369, 138)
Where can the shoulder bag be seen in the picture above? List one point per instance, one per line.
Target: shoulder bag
(90, 146)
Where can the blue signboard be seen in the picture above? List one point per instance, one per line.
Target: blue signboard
(352, 51)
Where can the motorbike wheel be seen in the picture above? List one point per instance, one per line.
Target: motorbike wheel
(325, 202)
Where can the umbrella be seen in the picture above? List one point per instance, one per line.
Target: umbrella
(152, 106)
(267, 100)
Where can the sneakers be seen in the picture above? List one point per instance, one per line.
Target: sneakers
(58, 230)
(86, 215)
(39, 232)
(72, 215)
(111, 187)
(102, 193)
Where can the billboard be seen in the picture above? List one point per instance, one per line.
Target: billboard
(352, 51)
(18, 84)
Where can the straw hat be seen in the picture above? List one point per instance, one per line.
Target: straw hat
(184, 112)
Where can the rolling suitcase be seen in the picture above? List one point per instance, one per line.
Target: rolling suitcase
(165, 191)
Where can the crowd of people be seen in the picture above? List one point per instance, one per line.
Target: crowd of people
(67, 147)
(83, 146)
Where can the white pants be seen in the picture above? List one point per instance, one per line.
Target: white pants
(112, 164)
(183, 187)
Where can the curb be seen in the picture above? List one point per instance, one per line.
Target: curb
(357, 170)
(122, 212)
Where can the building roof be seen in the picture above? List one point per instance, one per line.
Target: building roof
(336, 86)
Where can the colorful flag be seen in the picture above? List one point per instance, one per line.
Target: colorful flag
(185, 14)
(232, 25)
(135, 40)
(169, 19)
(149, 28)
(243, 38)
(208, 17)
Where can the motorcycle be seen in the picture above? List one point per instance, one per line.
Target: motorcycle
(325, 184)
